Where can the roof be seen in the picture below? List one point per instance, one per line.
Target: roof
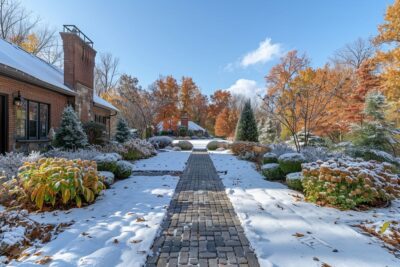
(98, 101)
(19, 63)
(192, 126)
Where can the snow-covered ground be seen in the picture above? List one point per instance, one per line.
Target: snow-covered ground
(286, 231)
(164, 161)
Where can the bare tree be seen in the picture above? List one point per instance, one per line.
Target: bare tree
(106, 73)
(354, 54)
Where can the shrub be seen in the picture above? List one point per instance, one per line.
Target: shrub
(246, 129)
(108, 178)
(372, 154)
(95, 132)
(161, 141)
(241, 147)
(10, 163)
(270, 158)
(291, 162)
(280, 149)
(311, 154)
(347, 183)
(110, 166)
(213, 145)
(184, 145)
(131, 150)
(122, 133)
(60, 182)
(88, 153)
(70, 135)
(294, 181)
(272, 171)
(123, 170)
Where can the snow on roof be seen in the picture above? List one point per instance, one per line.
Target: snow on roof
(103, 103)
(192, 126)
(15, 57)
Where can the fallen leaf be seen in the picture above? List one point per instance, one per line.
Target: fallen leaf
(140, 219)
(44, 260)
(116, 241)
(136, 241)
(315, 259)
(298, 235)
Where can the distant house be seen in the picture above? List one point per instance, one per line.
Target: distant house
(192, 127)
(34, 93)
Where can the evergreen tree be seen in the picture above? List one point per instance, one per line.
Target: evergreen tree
(246, 129)
(267, 130)
(375, 132)
(70, 135)
(122, 135)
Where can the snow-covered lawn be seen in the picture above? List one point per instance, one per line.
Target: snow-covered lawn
(164, 161)
(286, 231)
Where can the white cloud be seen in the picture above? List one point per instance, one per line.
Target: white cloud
(247, 88)
(265, 52)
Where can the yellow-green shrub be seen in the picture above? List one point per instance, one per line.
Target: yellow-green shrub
(348, 183)
(61, 182)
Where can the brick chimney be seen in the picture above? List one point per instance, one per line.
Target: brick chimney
(185, 120)
(79, 62)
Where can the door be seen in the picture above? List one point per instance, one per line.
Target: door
(3, 124)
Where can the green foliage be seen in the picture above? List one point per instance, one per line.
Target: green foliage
(183, 131)
(184, 145)
(270, 158)
(213, 145)
(96, 132)
(70, 135)
(110, 166)
(272, 172)
(291, 162)
(122, 134)
(62, 182)
(123, 170)
(294, 181)
(268, 131)
(246, 129)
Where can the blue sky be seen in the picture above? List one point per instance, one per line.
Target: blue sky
(221, 44)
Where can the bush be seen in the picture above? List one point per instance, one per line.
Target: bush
(60, 182)
(294, 181)
(109, 166)
(88, 153)
(246, 129)
(240, 148)
(161, 141)
(184, 145)
(131, 150)
(123, 170)
(213, 145)
(280, 149)
(347, 183)
(272, 171)
(95, 132)
(122, 133)
(372, 154)
(70, 135)
(11, 162)
(291, 162)
(270, 158)
(317, 153)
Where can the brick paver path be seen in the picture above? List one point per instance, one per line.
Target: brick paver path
(201, 227)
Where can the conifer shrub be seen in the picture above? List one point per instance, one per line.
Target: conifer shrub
(347, 183)
(58, 182)
(246, 129)
(122, 132)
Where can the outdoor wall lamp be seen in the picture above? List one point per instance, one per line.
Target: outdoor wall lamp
(18, 99)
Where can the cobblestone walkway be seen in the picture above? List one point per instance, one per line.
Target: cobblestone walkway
(201, 227)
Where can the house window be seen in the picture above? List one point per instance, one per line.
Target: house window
(100, 119)
(32, 120)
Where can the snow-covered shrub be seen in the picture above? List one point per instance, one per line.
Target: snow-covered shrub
(213, 145)
(122, 133)
(243, 149)
(133, 149)
(108, 178)
(176, 148)
(291, 162)
(88, 153)
(272, 171)
(10, 163)
(60, 182)
(160, 141)
(123, 170)
(70, 135)
(184, 145)
(294, 181)
(372, 154)
(312, 153)
(270, 158)
(281, 148)
(347, 183)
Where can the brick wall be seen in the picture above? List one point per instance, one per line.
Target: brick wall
(56, 100)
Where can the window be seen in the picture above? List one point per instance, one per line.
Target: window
(32, 120)
(100, 119)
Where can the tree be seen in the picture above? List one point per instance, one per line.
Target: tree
(106, 73)
(388, 59)
(354, 54)
(267, 129)
(225, 123)
(122, 134)
(70, 135)
(187, 94)
(246, 129)
(375, 132)
(219, 100)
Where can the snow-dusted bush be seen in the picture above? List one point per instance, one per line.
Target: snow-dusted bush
(291, 162)
(160, 141)
(249, 150)
(372, 154)
(272, 171)
(214, 145)
(294, 181)
(88, 153)
(176, 148)
(348, 183)
(184, 145)
(123, 169)
(122, 133)
(133, 149)
(10, 162)
(270, 158)
(312, 153)
(281, 148)
(108, 178)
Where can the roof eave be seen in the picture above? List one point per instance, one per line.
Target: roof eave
(104, 107)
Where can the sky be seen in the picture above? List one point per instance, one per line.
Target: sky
(223, 44)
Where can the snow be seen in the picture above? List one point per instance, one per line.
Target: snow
(269, 166)
(107, 157)
(286, 231)
(294, 176)
(291, 157)
(164, 161)
(117, 230)
(15, 57)
(103, 103)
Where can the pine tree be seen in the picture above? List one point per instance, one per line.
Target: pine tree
(246, 129)
(267, 131)
(122, 133)
(70, 135)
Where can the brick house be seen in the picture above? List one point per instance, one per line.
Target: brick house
(34, 93)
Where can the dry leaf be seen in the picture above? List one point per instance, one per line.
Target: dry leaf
(298, 235)
(44, 260)
(140, 219)
(136, 241)
(116, 241)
